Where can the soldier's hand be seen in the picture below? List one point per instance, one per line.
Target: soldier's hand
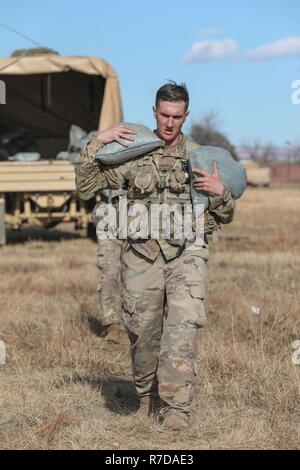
(119, 133)
(210, 184)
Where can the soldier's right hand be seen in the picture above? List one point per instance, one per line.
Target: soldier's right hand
(119, 133)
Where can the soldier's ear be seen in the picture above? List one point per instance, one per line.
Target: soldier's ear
(154, 111)
(186, 115)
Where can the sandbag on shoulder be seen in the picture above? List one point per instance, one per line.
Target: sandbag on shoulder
(145, 141)
(232, 173)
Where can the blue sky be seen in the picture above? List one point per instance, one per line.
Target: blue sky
(237, 57)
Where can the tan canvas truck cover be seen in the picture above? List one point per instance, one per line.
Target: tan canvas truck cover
(45, 95)
(48, 93)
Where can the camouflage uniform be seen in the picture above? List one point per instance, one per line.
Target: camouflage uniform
(163, 280)
(109, 287)
(108, 261)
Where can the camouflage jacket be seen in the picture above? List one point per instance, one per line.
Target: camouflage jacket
(141, 177)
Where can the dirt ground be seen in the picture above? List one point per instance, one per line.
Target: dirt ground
(66, 387)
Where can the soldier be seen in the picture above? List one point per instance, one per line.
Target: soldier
(109, 287)
(163, 280)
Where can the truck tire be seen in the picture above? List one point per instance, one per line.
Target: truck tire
(2, 222)
(91, 232)
(51, 224)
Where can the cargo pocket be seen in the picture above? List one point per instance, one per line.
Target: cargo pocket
(128, 308)
(128, 303)
(198, 294)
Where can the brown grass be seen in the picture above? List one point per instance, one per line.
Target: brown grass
(65, 387)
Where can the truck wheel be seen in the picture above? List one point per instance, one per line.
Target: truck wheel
(91, 232)
(2, 221)
(51, 224)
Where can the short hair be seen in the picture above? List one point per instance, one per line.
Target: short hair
(173, 92)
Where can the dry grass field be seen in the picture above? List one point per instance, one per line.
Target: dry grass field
(66, 387)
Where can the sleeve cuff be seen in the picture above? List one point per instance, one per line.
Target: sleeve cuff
(215, 201)
(91, 149)
(95, 144)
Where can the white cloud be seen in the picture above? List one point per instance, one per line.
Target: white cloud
(288, 47)
(207, 31)
(210, 50)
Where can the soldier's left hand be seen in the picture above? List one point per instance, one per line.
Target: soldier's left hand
(210, 184)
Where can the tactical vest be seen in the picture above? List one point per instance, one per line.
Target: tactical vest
(162, 177)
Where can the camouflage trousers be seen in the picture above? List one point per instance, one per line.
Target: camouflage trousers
(162, 310)
(109, 287)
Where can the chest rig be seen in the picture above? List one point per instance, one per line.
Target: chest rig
(162, 177)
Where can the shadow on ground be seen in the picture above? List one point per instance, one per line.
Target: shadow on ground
(119, 394)
(40, 234)
(96, 326)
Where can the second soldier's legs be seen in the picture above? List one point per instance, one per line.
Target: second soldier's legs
(109, 287)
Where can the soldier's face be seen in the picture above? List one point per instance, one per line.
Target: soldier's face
(170, 116)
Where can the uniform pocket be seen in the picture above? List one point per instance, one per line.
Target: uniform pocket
(129, 303)
(145, 181)
(177, 181)
(197, 292)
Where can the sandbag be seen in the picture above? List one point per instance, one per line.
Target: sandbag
(25, 157)
(13, 143)
(232, 173)
(78, 139)
(145, 141)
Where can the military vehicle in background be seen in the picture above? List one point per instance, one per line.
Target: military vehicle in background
(257, 175)
(47, 94)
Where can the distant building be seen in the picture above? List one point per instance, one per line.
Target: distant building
(286, 173)
(276, 164)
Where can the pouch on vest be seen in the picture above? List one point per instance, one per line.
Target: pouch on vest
(177, 180)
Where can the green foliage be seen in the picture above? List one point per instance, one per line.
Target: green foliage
(33, 52)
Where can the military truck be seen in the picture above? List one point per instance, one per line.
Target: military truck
(257, 175)
(45, 95)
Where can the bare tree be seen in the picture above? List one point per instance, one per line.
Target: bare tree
(261, 153)
(207, 133)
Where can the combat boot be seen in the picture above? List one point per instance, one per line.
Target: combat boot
(175, 420)
(149, 405)
(117, 334)
(145, 405)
